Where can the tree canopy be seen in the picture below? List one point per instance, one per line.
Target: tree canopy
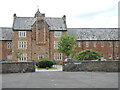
(67, 45)
(88, 54)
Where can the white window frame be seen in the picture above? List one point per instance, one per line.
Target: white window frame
(95, 43)
(87, 43)
(9, 45)
(117, 56)
(117, 43)
(22, 44)
(110, 56)
(9, 57)
(22, 33)
(56, 44)
(79, 44)
(57, 56)
(40, 56)
(23, 58)
(110, 44)
(102, 43)
(57, 34)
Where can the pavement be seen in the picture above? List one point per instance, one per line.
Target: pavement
(60, 79)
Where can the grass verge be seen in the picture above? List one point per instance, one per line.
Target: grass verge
(53, 68)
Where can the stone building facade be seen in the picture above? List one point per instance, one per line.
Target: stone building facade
(33, 38)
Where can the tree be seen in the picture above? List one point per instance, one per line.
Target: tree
(88, 54)
(66, 45)
(18, 53)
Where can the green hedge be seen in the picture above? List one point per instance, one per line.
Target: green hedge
(88, 54)
(45, 62)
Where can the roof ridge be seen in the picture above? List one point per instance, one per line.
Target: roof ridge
(54, 17)
(5, 27)
(24, 17)
(92, 28)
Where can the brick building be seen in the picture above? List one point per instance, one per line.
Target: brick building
(33, 38)
(5, 43)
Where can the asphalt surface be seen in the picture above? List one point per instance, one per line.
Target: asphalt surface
(60, 79)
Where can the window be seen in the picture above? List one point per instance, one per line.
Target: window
(110, 44)
(102, 43)
(9, 57)
(87, 44)
(110, 56)
(117, 56)
(55, 44)
(57, 34)
(95, 42)
(23, 58)
(117, 44)
(79, 44)
(58, 56)
(9, 45)
(22, 33)
(22, 44)
(40, 56)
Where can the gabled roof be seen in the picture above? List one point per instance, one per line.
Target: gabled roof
(94, 33)
(56, 23)
(5, 33)
(25, 23)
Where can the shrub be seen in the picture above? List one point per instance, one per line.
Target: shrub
(43, 63)
(88, 54)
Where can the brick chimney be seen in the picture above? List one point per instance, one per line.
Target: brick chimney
(64, 18)
(14, 15)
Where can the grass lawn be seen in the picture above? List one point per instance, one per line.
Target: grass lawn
(53, 68)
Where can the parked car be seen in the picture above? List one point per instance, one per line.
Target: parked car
(103, 59)
(68, 60)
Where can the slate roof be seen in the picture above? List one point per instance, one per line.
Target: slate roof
(25, 23)
(94, 33)
(55, 23)
(5, 33)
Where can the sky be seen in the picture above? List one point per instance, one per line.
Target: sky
(79, 13)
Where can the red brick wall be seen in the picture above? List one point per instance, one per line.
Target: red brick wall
(52, 39)
(0, 50)
(4, 51)
(106, 50)
(15, 40)
(39, 47)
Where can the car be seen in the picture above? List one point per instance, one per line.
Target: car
(68, 60)
(103, 59)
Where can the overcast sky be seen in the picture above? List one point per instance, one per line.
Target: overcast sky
(79, 13)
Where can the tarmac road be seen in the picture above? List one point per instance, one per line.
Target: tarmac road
(60, 79)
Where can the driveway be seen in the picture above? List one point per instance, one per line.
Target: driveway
(60, 80)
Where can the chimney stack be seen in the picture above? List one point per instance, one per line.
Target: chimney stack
(14, 15)
(64, 18)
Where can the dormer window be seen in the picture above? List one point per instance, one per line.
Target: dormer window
(22, 33)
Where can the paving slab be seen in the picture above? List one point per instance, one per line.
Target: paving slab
(60, 80)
